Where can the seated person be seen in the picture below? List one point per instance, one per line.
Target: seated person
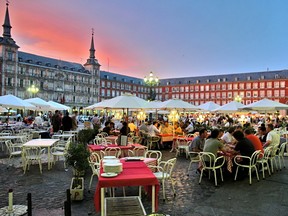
(262, 134)
(124, 131)
(132, 126)
(143, 126)
(166, 128)
(243, 145)
(198, 142)
(254, 140)
(177, 129)
(228, 136)
(245, 148)
(212, 144)
(107, 128)
(152, 129)
(190, 128)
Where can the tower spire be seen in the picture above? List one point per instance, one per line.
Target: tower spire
(6, 26)
(92, 49)
(91, 60)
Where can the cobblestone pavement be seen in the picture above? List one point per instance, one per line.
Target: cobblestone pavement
(267, 197)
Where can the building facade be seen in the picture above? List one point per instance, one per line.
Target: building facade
(65, 82)
(113, 85)
(221, 89)
(246, 87)
(78, 86)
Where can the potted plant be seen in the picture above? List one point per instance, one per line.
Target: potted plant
(86, 135)
(77, 157)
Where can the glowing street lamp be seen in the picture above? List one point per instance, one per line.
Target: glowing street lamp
(33, 90)
(141, 116)
(238, 99)
(151, 81)
(118, 115)
(173, 116)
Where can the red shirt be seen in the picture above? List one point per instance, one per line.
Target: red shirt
(256, 143)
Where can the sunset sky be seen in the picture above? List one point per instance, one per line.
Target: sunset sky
(172, 38)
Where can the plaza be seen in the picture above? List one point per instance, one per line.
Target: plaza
(89, 87)
(266, 197)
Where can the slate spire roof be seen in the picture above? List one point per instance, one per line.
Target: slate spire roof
(7, 39)
(91, 60)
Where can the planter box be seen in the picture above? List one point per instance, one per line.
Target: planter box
(77, 188)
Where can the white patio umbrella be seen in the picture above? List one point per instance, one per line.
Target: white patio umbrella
(154, 107)
(58, 106)
(209, 106)
(178, 105)
(97, 106)
(266, 105)
(11, 101)
(125, 101)
(154, 104)
(41, 105)
(231, 107)
(2, 109)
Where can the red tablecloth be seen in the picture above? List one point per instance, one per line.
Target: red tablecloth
(165, 135)
(166, 138)
(229, 159)
(183, 138)
(135, 173)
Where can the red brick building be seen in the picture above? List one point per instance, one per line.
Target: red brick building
(221, 89)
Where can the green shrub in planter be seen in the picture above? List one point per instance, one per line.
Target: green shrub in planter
(77, 157)
(86, 135)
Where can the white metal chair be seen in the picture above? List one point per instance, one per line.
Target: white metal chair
(182, 145)
(280, 155)
(154, 154)
(60, 151)
(211, 163)
(194, 158)
(31, 154)
(94, 161)
(100, 135)
(264, 161)
(13, 149)
(136, 139)
(104, 134)
(99, 140)
(111, 151)
(190, 135)
(6, 132)
(138, 152)
(20, 140)
(164, 173)
(153, 140)
(272, 157)
(252, 164)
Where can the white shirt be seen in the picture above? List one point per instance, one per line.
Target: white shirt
(152, 130)
(228, 138)
(190, 128)
(38, 120)
(274, 138)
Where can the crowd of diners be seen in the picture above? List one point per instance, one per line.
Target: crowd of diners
(212, 132)
(215, 133)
